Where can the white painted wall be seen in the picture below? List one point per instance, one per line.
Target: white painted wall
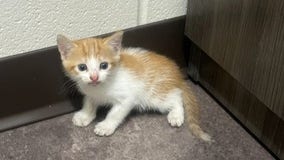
(27, 25)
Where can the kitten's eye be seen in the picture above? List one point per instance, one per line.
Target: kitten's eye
(82, 67)
(103, 65)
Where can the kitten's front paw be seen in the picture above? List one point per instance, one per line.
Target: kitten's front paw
(175, 120)
(82, 119)
(104, 128)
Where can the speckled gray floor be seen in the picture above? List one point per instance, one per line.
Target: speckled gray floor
(141, 137)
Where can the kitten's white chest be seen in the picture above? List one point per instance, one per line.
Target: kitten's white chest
(117, 88)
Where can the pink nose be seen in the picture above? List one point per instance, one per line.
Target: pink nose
(94, 77)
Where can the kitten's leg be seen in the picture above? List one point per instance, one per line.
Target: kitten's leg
(115, 116)
(176, 116)
(176, 111)
(86, 115)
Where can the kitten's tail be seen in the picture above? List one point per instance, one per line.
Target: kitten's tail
(192, 114)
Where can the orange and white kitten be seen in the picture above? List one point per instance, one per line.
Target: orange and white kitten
(126, 79)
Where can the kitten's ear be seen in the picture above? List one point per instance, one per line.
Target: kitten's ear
(114, 41)
(64, 46)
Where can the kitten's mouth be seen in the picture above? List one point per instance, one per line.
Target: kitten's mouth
(94, 83)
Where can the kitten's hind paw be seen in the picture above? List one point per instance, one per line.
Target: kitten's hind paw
(82, 119)
(104, 129)
(175, 119)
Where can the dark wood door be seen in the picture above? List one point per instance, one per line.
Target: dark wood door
(246, 38)
(242, 60)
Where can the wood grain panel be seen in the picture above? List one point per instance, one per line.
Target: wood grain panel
(249, 110)
(246, 38)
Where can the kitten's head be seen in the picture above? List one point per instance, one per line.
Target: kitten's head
(91, 60)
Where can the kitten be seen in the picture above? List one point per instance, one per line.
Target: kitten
(126, 78)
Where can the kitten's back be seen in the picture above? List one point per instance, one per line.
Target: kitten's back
(152, 67)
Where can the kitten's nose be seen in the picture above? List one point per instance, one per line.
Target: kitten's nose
(94, 77)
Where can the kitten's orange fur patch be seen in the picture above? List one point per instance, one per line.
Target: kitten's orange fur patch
(155, 70)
